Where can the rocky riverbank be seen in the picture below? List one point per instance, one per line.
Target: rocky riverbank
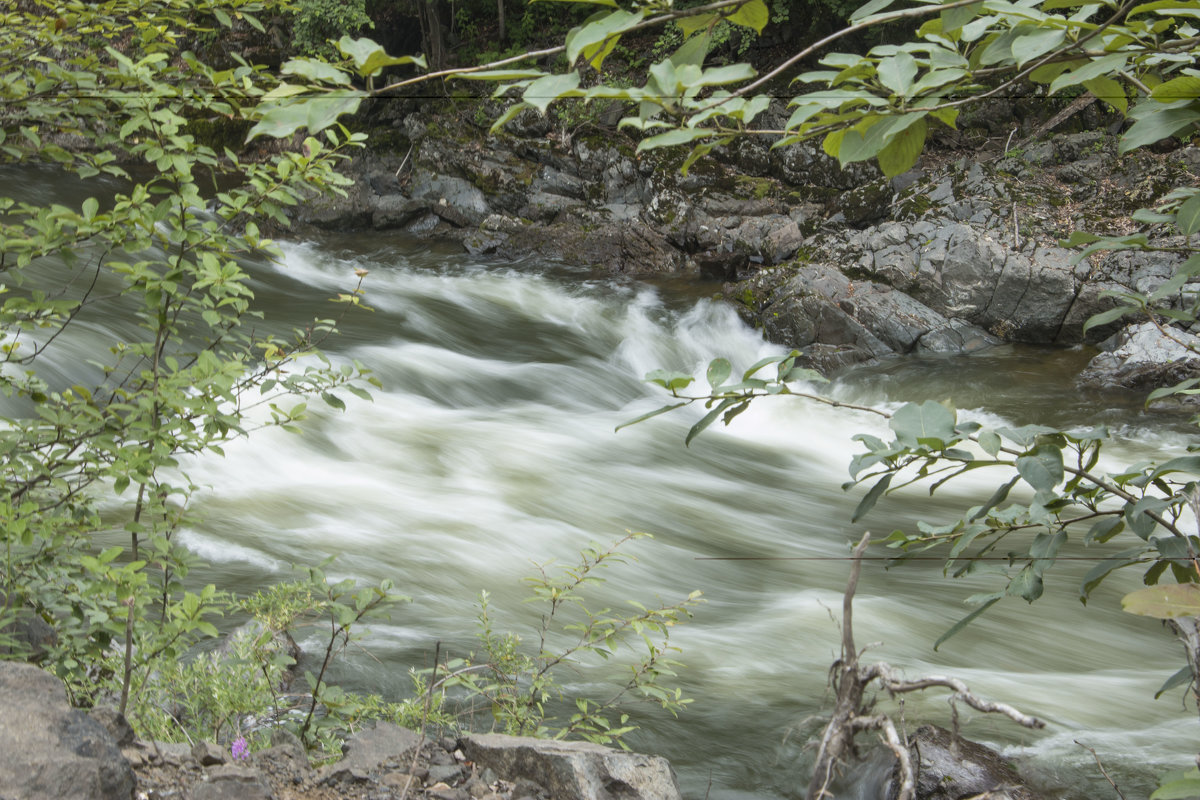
(50, 751)
(959, 254)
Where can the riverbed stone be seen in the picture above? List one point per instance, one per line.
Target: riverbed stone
(49, 751)
(950, 767)
(1143, 358)
(574, 770)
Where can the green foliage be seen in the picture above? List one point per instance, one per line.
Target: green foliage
(317, 24)
(521, 687)
(243, 688)
(108, 91)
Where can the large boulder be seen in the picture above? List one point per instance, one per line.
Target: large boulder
(573, 770)
(1143, 358)
(50, 751)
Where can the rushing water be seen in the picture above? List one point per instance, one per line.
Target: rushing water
(491, 447)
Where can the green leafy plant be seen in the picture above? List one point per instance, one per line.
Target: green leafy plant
(317, 24)
(91, 491)
(520, 685)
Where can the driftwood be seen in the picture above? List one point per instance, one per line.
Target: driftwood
(852, 711)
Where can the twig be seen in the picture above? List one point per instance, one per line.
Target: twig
(400, 168)
(437, 655)
(1102, 770)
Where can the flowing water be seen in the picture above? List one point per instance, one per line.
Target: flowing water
(491, 447)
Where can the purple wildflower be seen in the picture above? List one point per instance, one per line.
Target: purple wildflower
(240, 750)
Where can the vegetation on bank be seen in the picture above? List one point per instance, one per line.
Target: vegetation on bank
(154, 248)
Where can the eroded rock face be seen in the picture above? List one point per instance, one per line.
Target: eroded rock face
(49, 751)
(574, 770)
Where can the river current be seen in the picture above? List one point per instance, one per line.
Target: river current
(491, 448)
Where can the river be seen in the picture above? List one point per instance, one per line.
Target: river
(491, 447)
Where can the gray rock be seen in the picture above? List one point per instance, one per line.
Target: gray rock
(49, 751)
(230, 782)
(1143, 359)
(384, 744)
(574, 770)
(115, 723)
(208, 754)
(950, 768)
(32, 633)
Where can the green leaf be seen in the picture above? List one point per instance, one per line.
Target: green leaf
(315, 70)
(1037, 43)
(1105, 65)
(1185, 87)
(333, 400)
(542, 92)
(930, 420)
(314, 113)
(1181, 678)
(753, 14)
(870, 498)
(674, 137)
(990, 442)
(602, 28)
(369, 57)
(708, 419)
(718, 372)
(1042, 468)
(965, 621)
(1158, 125)
(649, 415)
(1178, 786)
(673, 381)
(1105, 317)
(897, 72)
(690, 25)
(998, 497)
(1166, 601)
(1104, 530)
(1187, 218)
(1108, 90)
(902, 152)
(873, 7)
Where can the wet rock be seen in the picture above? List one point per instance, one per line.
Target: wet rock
(951, 768)
(574, 770)
(49, 751)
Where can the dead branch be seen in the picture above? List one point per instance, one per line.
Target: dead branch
(851, 714)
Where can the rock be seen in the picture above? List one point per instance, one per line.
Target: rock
(574, 770)
(1143, 359)
(49, 751)
(950, 768)
(208, 754)
(32, 633)
(115, 723)
(385, 744)
(230, 782)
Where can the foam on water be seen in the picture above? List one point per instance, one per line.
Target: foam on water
(491, 446)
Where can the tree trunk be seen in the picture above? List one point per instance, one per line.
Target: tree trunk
(433, 44)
